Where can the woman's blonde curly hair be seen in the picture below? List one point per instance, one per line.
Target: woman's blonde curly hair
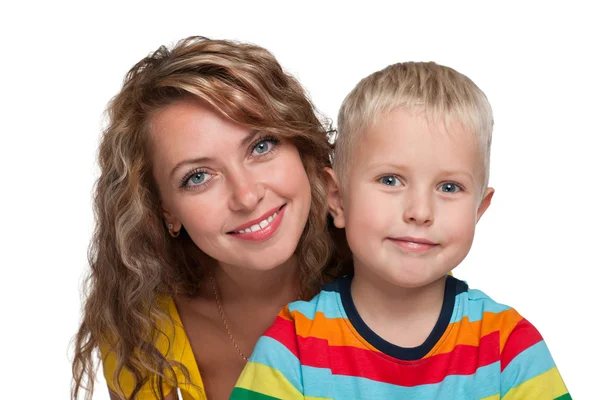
(133, 259)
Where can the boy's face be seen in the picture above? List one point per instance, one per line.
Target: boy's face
(411, 199)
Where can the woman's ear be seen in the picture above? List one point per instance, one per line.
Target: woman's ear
(334, 198)
(172, 223)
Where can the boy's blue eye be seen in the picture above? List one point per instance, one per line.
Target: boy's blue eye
(390, 180)
(450, 188)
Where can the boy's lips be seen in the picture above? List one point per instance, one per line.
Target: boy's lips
(414, 244)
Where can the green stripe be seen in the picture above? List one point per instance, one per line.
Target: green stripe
(566, 396)
(245, 394)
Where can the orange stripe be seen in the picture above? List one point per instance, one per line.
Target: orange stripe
(285, 314)
(337, 331)
(509, 320)
(468, 333)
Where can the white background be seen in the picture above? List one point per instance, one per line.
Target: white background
(536, 248)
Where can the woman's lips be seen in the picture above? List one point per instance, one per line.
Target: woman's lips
(265, 232)
(256, 221)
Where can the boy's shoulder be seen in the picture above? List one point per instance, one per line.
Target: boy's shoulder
(326, 304)
(479, 314)
(301, 318)
(478, 305)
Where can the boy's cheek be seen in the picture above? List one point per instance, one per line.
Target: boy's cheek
(368, 212)
(456, 226)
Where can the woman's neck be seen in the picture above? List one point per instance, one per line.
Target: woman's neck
(237, 285)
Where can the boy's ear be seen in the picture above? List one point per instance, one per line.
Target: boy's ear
(485, 202)
(334, 198)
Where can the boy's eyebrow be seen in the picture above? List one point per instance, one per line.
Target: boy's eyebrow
(378, 164)
(461, 173)
(400, 167)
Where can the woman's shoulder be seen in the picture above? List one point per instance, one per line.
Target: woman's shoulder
(169, 334)
(169, 339)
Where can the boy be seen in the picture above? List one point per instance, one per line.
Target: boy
(410, 182)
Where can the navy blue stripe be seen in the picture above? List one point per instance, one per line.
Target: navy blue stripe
(452, 287)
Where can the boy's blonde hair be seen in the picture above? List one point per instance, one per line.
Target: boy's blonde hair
(440, 93)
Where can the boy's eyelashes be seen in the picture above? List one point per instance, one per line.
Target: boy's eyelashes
(390, 180)
(450, 187)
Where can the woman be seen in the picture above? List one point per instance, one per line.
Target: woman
(211, 216)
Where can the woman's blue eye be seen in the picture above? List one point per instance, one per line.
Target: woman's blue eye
(198, 178)
(450, 188)
(263, 147)
(390, 180)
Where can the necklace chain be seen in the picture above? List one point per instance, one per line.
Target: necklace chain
(224, 318)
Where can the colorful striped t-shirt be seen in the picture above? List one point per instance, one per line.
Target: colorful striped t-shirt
(478, 349)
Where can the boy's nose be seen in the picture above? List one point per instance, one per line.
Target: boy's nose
(418, 209)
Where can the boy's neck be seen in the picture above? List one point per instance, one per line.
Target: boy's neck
(402, 316)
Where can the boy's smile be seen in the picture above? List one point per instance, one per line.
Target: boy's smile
(411, 199)
(414, 245)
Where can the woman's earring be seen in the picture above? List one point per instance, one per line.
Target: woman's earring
(173, 233)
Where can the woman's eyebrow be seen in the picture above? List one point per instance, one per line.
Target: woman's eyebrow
(249, 138)
(245, 142)
(189, 161)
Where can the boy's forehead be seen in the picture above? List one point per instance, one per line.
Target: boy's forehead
(418, 127)
(402, 136)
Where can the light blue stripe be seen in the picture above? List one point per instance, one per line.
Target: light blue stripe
(319, 382)
(272, 353)
(325, 302)
(473, 304)
(527, 365)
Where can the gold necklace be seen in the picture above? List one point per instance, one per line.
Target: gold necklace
(224, 318)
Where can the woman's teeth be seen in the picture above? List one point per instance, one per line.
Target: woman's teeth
(261, 225)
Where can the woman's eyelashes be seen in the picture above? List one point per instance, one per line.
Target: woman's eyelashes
(196, 178)
(263, 146)
(200, 177)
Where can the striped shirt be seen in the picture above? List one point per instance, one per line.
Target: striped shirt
(478, 349)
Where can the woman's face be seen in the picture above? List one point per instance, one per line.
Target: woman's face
(242, 196)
